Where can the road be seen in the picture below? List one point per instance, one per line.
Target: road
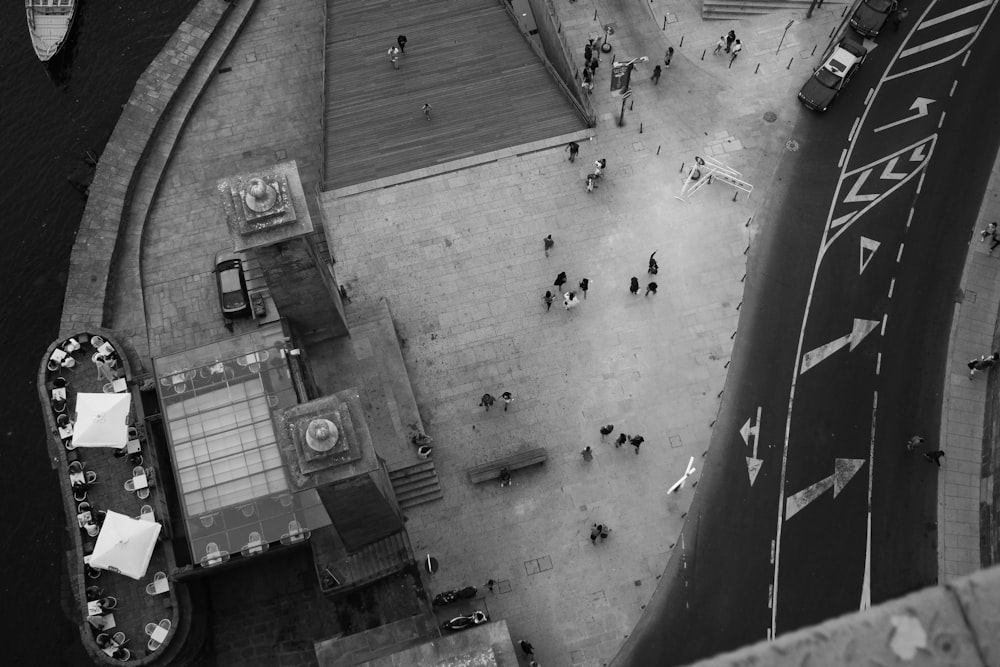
(810, 507)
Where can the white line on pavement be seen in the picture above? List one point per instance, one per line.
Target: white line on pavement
(909, 219)
(940, 122)
(892, 286)
(938, 42)
(899, 255)
(955, 14)
(854, 128)
(954, 85)
(878, 364)
(868, 97)
(966, 58)
(843, 156)
(885, 320)
(920, 183)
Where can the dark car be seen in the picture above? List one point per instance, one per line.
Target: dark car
(871, 15)
(233, 297)
(830, 78)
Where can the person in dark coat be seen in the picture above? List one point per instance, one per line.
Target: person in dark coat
(560, 279)
(634, 286)
(401, 40)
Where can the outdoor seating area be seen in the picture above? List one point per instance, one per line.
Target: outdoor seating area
(105, 452)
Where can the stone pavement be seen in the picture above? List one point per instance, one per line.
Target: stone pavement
(458, 255)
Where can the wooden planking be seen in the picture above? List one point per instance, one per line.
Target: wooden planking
(466, 58)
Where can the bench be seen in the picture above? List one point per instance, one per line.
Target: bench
(491, 470)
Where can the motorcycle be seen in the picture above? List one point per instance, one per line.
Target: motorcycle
(447, 597)
(465, 622)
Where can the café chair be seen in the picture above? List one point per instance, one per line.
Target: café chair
(109, 602)
(103, 640)
(142, 494)
(150, 627)
(146, 513)
(80, 496)
(90, 477)
(71, 345)
(94, 593)
(96, 341)
(119, 638)
(75, 467)
(123, 654)
(129, 485)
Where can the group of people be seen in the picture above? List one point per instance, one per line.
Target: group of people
(487, 400)
(634, 440)
(730, 44)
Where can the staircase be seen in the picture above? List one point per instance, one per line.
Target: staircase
(374, 561)
(415, 484)
(738, 9)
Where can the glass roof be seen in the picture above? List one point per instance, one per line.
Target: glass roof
(217, 401)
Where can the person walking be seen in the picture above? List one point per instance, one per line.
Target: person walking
(486, 401)
(990, 233)
(634, 286)
(983, 363)
(721, 44)
(668, 56)
(588, 52)
(622, 438)
(573, 148)
(394, 54)
(548, 243)
(636, 441)
(426, 109)
(934, 457)
(737, 47)
(606, 431)
(595, 62)
(915, 442)
(595, 532)
(584, 286)
(560, 279)
(549, 298)
(588, 80)
(570, 300)
(656, 75)
(730, 38)
(651, 287)
(505, 478)
(588, 454)
(401, 40)
(527, 647)
(654, 268)
(507, 398)
(898, 17)
(605, 531)
(490, 584)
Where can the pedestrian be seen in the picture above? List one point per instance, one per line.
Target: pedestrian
(634, 286)
(548, 243)
(730, 38)
(591, 182)
(737, 47)
(527, 647)
(654, 268)
(588, 52)
(651, 287)
(426, 109)
(573, 148)
(666, 58)
(595, 62)
(622, 437)
(490, 584)
(560, 279)
(584, 286)
(934, 457)
(990, 233)
(401, 40)
(914, 442)
(656, 75)
(605, 531)
(588, 80)
(606, 431)
(534, 663)
(595, 532)
(636, 442)
(899, 16)
(983, 363)
(721, 44)
(549, 298)
(570, 300)
(486, 401)
(588, 455)
(507, 398)
(505, 479)
(393, 54)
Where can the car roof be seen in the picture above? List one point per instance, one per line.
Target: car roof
(840, 62)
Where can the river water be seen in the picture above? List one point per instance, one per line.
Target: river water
(49, 118)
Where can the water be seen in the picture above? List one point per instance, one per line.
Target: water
(48, 120)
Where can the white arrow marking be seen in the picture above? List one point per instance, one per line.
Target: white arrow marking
(859, 330)
(919, 105)
(853, 195)
(842, 220)
(869, 245)
(747, 432)
(866, 586)
(843, 471)
(889, 174)
(918, 154)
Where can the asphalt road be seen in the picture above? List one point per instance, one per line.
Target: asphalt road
(810, 507)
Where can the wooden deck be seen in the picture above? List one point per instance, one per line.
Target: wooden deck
(466, 58)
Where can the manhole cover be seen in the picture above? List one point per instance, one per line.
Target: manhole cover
(770, 116)
(791, 145)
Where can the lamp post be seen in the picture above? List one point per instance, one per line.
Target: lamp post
(621, 118)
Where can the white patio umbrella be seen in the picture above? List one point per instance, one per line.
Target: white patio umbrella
(125, 545)
(100, 420)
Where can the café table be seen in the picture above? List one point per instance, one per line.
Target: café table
(159, 635)
(83, 518)
(119, 385)
(160, 585)
(94, 608)
(133, 446)
(59, 394)
(66, 431)
(107, 349)
(140, 481)
(77, 478)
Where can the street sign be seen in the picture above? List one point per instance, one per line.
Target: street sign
(620, 77)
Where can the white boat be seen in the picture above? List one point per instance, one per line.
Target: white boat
(49, 22)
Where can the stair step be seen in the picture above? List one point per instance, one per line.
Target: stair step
(420, 500)
(413, 468)
(410, 481)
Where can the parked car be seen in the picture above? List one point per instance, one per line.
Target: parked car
(830, 78)
(233, 297)
(871, 15)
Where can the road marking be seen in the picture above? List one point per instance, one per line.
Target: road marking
(868, 97)
(885, 321)
(844, 219)
(878, 363)
(938, 42)
(941, 122)
(854, 128)
(747, 431)
(892, 286)
(859, 330)
(843, 156)
(966, 58)
(866, 585)
(909, 219)
(955, 14)
(899, 254)
(920, 183)
(853, 196)
(868, 248)
(919, 105)
(889, 175)
(954, 85)
(844, 470)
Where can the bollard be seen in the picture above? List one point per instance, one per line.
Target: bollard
(709, 180)
(734, 195)
(748, 221)
(631, 102)
(756, 68)
(843, 12)
(730, 338)
(640, 128)
(595, 14)
(682, 42)
(814, 50)
(740, 305)
(832, 32)
(727, 364)
(743, 278)
(703, 54)
(747, 250)
(790, 63)
(682, 166)
(658, 149)
(712, 425)
(664, 22)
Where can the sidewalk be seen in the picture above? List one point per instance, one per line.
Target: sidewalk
(458, 255)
